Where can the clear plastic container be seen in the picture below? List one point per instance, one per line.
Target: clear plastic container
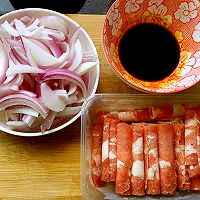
(114, 102)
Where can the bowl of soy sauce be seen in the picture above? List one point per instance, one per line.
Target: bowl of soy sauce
(152, 45)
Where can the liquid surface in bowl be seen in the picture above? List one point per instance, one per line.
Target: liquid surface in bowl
(149, 52)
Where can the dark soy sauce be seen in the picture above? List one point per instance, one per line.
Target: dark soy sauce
(149, 52)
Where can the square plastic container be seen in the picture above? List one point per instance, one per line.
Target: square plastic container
(114, 102)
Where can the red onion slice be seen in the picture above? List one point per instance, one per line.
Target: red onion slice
(19, 68)
(32, 26)
(18, 126)
(41, 57)
(7, 90)
(61, 93)
(84, 67)
(22, 110)
(54, 22)
(71, 99)
(54, 48)
(27, 20)
(7, 27)
(65, 75)
(3, 62)
(68, 111)
(28, 119)
(78, 56)
(72, 88)
(48, 121)
(50, 99)
(23, 100)
(20, 27)
(20, 55)
(40, 44)
(14, 80)
(13, 116)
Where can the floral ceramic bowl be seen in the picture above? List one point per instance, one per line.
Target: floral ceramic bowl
(180, 17)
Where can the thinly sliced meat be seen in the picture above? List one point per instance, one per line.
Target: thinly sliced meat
(192, 125)
(124, 158)
(198, 138)
(100, 116)
(152, 176)
(195, 183)
(166, 145)
(137, 115)
(193, 171)
(105, 176)
(96, 132)
(137, 175)
(113, 149)
(183, 181)
(167, 111)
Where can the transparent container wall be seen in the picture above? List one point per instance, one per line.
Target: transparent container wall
(117, 102)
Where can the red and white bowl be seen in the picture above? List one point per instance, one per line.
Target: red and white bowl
(181, 18)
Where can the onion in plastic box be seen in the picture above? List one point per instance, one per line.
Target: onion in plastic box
(42, 72)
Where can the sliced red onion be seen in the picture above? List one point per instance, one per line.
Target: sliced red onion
(20, 51)
(37, 33)
(23, 100)
(18, 126)
(68, 111)
(4, 34)
(78, 56)
(54, 48)
(40, 44)
(84, 67)
(27, 20)
(28, 93)
(71, 99)
(3, 62)
(20, 27)
(28, 119)
(19, 68)
(23, 110)
(14, 80)
(80, 98)
(74, 36)
(41, 57)
(54, 22)
(7, 27)
(9, 79)
(57, 34)
(30, 58)
(52, 101)
(38, 122)
(44, 72)
(13, 59)
(19, 55)
(62, 94)
(89, 58)
(64, 46)
(72, 88)
(14, 43)
(33, 25)
(30, 81)
(7, 90)
(66, 75)
(48, 121)
(13, 116)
